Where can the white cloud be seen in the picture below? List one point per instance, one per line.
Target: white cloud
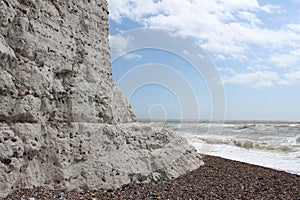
(254, 79)
(269, 8)
(260, 79)
(283, 83)
(215, 22)
(131, 56)
(186, 52)
(294, 27)
(292, 77)
(119, 43)
(221, 57)
(229, 29)
(227, 70)
(287, 60)
(201, 56)
(250, 17)
(136, 10)
(234, 5)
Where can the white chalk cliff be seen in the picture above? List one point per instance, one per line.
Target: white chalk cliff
(64, 123)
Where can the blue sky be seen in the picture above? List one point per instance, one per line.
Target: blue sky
(254, 45)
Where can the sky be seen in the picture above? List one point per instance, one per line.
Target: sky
(251, 47)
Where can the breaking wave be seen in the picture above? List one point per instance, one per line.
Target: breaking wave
(249, 144)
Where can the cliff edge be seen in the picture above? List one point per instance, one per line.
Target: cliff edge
(64, 124)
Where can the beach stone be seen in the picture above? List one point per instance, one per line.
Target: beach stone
(64, 123)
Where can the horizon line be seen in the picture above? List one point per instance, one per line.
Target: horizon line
(209, 120)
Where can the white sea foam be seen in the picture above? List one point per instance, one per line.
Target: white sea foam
(270, 144)
(246, 143)
(288, 162)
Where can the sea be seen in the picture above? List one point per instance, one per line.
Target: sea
(272, 144)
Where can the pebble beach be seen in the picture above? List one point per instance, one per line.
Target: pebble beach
(218, 179)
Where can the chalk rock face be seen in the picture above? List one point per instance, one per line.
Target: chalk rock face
(63, 121)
